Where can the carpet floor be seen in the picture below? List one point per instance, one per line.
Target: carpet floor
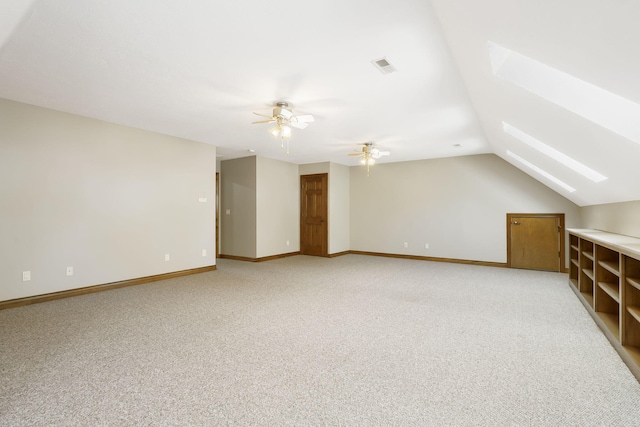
(353, 340)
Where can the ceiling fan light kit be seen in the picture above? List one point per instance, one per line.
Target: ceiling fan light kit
(284, 119)
(369, 155)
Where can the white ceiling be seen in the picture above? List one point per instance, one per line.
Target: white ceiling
(197, 69)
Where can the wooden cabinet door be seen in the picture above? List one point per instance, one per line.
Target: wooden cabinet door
(313, 215)
(535, 241)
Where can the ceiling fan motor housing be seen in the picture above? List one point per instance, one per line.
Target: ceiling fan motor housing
(282, 111)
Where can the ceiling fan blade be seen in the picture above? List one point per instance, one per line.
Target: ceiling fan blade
(304, 118)
(354, 154)
(263, 121)
(262, 115)
(298, 125)
(281, 111)
(385, 153)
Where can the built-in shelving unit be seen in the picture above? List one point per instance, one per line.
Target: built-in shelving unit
(604, 272)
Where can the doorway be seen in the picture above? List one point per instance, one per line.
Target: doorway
(314, 234)
(535, 241)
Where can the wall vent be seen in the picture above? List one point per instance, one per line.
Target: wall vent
(384, 65)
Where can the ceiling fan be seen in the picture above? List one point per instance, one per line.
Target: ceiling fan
(369, 155)
(284, 120)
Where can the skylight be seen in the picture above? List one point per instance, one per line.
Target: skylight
(602, 107)
(567, 161)
(547, 175)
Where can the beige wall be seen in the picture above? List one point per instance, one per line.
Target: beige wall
(620, 218)
(457, 205)
(108, 200)
(238, 188)
(339, 204)
(277, 207)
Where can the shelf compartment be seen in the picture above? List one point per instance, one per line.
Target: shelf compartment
(611, 289)
(610, 266)
(608, 259)
(612, 322)
(588, 255)
(574, 240)
(575, 261)
(575, 247)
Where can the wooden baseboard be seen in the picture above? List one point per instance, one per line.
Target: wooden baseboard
(272, 257)
(415, 257)
(428, 258)
(236, 258)
(339, 254)
(261, 259)
(19, 302)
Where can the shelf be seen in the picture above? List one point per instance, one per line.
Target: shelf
(610, 266)
(588, 273)
(574, 282)
(588, 255)
(574, 247)
(574, 261)
(611, 289)
(634, 282)
(635, 312)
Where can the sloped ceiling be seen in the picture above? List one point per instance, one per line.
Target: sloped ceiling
(592, 40)
(197, 69)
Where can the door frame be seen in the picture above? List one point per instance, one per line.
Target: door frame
(559, 216)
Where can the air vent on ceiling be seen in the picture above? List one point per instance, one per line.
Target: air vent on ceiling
(384, 65)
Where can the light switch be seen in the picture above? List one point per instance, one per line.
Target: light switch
(69, 271)
(228, 212)
(26, 276)
(167, 257)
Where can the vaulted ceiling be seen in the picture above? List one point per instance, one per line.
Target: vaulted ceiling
(527, 80)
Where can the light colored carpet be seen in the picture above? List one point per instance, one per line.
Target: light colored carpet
(353, 340)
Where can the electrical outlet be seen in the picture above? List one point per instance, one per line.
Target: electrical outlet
(167, 257)
(228, 212)
(426, 246)
(26, 276)
(204, 252)
(69, 271)
(406, 244)
(287, 243)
